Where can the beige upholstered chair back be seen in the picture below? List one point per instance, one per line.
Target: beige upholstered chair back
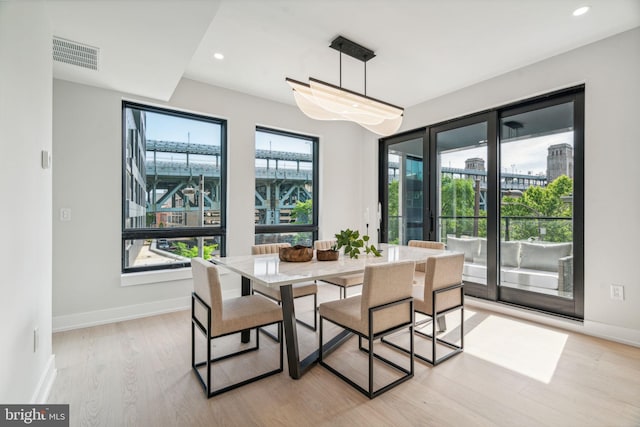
(268, 248)
(426, 244)
(323, 245)
(206, 284)
(442, 271)
(385, 283)
(420, 266)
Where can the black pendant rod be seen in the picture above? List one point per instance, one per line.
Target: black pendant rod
(341, 65)
(354, 50)
(365, 75)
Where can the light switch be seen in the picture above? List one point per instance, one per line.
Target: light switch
(45, 159)
(65, 214)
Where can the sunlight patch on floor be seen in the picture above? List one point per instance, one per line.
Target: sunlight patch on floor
(530, 350)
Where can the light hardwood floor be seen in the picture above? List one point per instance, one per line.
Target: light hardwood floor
(512, 373)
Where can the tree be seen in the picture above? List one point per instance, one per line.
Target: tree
(393, 198)
(302, 212)
(458, 200)
(394, 236)
(184, 250)
(541, 202)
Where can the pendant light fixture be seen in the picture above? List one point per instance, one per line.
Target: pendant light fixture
(323, 101)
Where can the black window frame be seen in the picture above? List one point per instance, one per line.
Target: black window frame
(573, 308)
(181, 232)
(297, 228)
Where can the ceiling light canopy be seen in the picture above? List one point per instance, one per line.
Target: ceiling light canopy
(323, 101)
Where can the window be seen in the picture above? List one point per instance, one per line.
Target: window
(286, 194)
(506, 187)
(173, 187)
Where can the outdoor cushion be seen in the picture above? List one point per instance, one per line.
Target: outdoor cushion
(510, 254)
(470, 246)
(537, 256)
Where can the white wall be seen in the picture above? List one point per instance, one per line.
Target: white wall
(25, 252)
(87, 179)
(610, 70)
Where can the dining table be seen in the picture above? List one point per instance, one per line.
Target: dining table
(269, 270)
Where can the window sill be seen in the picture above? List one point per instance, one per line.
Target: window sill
(153, 277)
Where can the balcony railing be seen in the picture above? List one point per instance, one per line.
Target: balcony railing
(539, 228)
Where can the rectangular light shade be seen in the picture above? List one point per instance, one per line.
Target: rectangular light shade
(323, 101)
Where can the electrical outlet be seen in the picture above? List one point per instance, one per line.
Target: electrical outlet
(36, 339)
(617, 292)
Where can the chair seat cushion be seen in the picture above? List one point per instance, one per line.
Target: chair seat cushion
(347, 312)
(299, 290)
(445, 300)
(346, 281)
(246, 312)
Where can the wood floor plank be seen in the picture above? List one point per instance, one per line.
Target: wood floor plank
(138, 373)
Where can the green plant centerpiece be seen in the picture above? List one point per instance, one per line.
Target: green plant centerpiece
(353, 243)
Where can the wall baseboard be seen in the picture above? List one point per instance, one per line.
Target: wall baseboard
(613, 333)
(118, 314)
(587, 327)
(41, 393)
(136, 311)
(129, 312)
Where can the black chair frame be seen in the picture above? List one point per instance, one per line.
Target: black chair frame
(207, 386)
(456, 348)
(371, 337)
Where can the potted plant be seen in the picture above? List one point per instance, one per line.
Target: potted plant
(353, 243)
(330, 254)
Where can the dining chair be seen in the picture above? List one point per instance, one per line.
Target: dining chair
(384, 307)
(216, 318)
(442, 292)
(343, 281)
(420, 266)
(418, 275)
(299, 289)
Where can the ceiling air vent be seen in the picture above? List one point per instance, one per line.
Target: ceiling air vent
(75, 53)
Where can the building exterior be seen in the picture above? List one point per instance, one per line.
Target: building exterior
(559, 161)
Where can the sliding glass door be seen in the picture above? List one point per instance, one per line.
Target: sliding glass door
(505, 187)
(540, 183)
(402, 189)
(460, 184)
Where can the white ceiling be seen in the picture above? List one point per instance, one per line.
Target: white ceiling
(424, 48)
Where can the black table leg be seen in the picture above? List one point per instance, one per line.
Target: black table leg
(245, 336)
(290, 332)
(297, 367)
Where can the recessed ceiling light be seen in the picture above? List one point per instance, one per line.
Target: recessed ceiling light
(581, 11)
(218, 56)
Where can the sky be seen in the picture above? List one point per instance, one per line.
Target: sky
(275, 142)
(170, 128)
(522, 156)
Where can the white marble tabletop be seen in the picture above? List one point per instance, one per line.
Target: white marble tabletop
(270, 271)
